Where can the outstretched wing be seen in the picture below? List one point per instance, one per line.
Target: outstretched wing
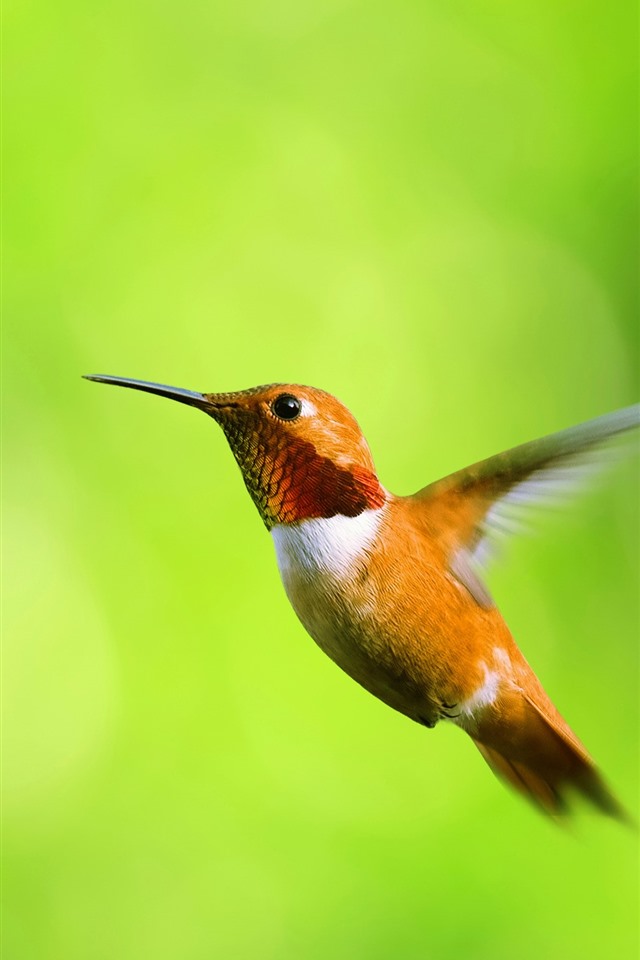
(490, 498)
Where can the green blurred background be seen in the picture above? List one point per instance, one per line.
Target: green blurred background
(430, 210)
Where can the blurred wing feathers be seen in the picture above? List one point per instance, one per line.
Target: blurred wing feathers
(491, 498)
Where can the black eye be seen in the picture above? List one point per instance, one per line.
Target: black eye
(286, 407)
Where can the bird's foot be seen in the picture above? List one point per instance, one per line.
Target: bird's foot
(449, 711)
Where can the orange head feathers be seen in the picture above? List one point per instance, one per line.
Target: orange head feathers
(301, 452)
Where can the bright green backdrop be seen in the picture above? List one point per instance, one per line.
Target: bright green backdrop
(429, 209)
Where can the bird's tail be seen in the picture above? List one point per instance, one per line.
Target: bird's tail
(526, 742)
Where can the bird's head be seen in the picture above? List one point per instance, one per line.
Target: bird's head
(301, 452)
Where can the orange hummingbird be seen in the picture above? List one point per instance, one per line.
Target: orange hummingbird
(391, 587)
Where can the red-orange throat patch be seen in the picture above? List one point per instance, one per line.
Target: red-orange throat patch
(293, 483)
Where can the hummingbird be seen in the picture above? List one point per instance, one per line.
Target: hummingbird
(391, 588)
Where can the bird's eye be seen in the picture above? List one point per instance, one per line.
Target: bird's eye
(286, 407)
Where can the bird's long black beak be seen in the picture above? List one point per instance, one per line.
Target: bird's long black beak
(189, 397)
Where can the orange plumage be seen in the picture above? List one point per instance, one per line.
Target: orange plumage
(391, 587)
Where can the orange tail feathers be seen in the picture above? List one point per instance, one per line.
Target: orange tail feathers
(529, 745)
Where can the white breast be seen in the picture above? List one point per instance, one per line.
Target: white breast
(325, 547)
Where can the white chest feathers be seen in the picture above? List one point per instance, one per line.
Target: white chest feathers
(322, 547)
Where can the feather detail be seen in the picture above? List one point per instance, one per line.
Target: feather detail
(488, 500)
(540, 756)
